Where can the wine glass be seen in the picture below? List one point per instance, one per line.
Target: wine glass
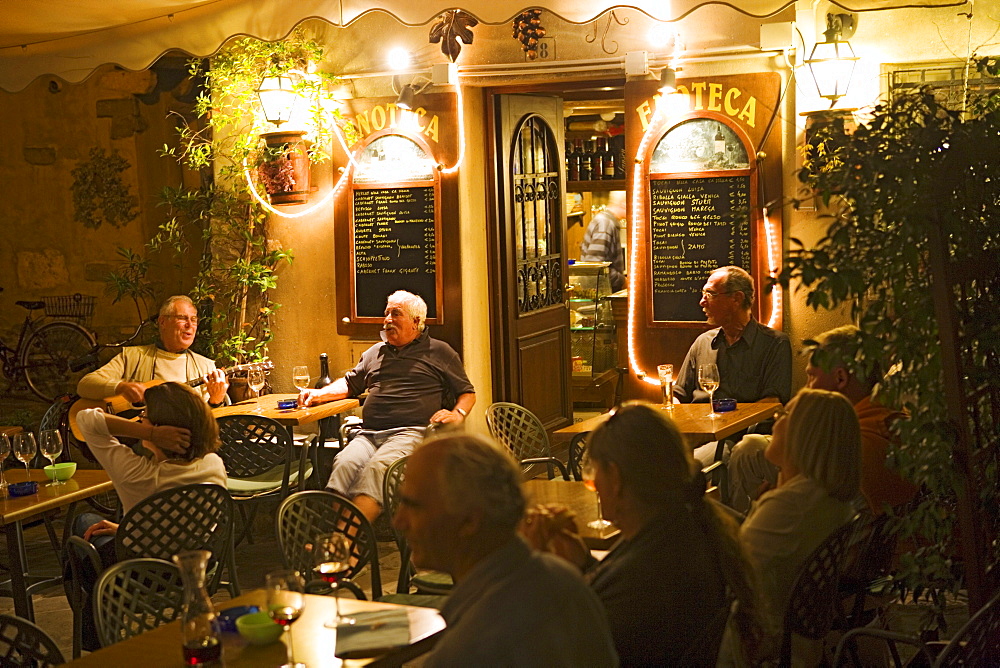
(255, 381)
(300, 378)
(708, 378)
(51, 445)
(24, 449)
(332, 556)
(589, 473)
(4, 453)
(285, 602)
(666, 374)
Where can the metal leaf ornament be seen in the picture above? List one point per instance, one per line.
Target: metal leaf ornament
(454, 25)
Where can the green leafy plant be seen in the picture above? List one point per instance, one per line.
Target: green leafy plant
(99, 194)
(915, 169)
(221, 220)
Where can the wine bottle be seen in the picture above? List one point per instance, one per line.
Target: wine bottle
(608, 162)
(720, 142)
(586, 162)
(324, 372)
(573, 161)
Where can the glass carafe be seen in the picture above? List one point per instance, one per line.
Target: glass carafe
(202, 642)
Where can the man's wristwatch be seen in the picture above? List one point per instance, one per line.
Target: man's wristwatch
(462, 412)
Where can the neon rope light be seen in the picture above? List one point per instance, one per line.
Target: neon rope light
(773, 266)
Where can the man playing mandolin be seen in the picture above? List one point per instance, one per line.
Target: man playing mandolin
(169, 359)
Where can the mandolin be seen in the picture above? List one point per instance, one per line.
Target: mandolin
(118, 404)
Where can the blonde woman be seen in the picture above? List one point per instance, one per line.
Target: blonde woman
(667, 585)
(817, 447)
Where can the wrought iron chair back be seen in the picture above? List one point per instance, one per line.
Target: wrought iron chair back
(429, 582)
(812, 608)
(522, 433)
(253, 445)
(978, 642)
(135, 596)
(190, 517)
(25, 644)
(305, 515)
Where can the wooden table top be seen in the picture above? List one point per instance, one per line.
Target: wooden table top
(313, 643)
(291, 417)
(83, 484)
(580, 500)
(693, 422)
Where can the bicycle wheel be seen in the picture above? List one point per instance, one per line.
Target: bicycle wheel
(46, 356)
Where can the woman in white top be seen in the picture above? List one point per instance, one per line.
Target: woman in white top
(817, 446)
(182, 435)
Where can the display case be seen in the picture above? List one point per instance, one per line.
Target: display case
(592, 332)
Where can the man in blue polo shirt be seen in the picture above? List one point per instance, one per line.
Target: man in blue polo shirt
(412, 380)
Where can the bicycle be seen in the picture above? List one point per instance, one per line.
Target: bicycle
(43, 352)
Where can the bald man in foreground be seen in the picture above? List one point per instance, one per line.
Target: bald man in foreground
(460, 506)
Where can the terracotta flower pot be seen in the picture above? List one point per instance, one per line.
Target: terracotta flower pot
(286, 179)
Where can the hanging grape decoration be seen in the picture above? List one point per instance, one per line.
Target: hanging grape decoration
(528, 30)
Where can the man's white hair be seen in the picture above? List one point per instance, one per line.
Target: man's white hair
(168, 304)
(413, 306)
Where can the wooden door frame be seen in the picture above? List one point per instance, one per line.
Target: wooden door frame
(504, 356)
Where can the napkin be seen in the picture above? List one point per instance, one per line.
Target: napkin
(373, 630)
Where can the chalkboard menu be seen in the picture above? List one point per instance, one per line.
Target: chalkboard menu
(696, 226)
(395, 247)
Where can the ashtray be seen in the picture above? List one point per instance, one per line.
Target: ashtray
(287, 404)
(227, 617)
(724, 405)
(22, 488)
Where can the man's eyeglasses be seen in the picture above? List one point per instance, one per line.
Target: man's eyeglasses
(193, 319)
(708, 294)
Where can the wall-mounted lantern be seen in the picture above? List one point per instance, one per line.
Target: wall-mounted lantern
(832, 60)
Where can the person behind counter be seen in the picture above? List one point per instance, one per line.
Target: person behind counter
(169, 359)
(412, 380)
(602, 241)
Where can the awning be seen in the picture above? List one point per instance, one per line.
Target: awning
(70, 39)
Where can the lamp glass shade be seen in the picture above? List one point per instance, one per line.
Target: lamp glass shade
(277, 99)
(407, 97)
(832, 66)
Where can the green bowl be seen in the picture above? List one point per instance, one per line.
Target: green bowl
(258, 628)
(60, 471)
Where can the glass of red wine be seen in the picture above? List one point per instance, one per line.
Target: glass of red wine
(332, 559)
(286, 600)
(589, 474)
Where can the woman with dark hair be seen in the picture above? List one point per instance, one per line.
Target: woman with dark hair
(181, 435)
(668, 585)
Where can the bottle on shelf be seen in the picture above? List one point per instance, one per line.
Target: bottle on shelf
(597, 161)
(720, 142)
(324, 372)
(573, 161)
(607, 160)
(617, 147)
(586, 162)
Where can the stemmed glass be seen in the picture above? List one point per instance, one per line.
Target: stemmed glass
(286, 600)
(4, 453)
(708, 378)
(300, 377)
(332, 556)
(255, 381)
(24, 449)
(51, 447)
(589, 473)
(666, 374)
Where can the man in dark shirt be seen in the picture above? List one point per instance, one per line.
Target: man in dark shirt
(409, 379)
(755, 361)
